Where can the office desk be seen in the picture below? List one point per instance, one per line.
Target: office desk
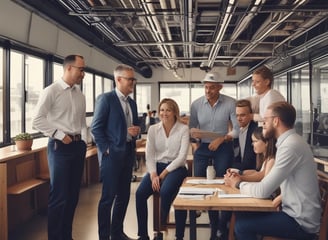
(216, 203)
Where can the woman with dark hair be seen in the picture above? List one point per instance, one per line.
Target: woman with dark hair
(265, 150)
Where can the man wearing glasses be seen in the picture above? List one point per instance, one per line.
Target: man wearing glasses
(115, 127)
(294, 171)
(60, 115)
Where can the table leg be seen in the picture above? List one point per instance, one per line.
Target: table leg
(192, 225)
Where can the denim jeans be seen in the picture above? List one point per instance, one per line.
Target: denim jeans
(66, 163)
(168, 191)
(222, 160)
(276, 224)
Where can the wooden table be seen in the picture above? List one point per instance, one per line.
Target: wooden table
(215, 203)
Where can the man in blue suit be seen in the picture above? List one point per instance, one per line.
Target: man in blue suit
(246, 157)
(115, 127)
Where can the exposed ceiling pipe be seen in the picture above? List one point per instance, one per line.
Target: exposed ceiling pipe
(168, 33)
(265, 30)
(224, 25)
(156, 31)
(307, 25)
(246, 19)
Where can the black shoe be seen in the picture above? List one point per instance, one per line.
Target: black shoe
(158, 236)
(123, 236)
(143, 238)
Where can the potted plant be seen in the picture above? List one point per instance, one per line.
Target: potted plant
(23, 141)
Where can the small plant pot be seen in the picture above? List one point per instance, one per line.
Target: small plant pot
(24, 144)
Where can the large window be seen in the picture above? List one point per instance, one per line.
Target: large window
(300, 87)
(319, 139)
(185, 93)
(57, 71)
(26, 83)
(143, 97)
(88, 91)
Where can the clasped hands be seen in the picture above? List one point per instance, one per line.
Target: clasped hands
(232, 177)
(157, 180)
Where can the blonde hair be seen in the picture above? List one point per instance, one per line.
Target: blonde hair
(172, 105)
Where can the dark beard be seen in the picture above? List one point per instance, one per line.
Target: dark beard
(269, 133)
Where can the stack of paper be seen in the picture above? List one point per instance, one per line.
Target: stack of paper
(232, 195)
(196, 191)
(205, 181)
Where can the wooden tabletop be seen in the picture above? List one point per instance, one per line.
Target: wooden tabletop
(216, 203)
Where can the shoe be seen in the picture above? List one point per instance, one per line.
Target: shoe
(123, 236)
(158, 236)
(214, 238)
(143, 238)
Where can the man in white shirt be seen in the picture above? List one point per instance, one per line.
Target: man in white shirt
(295, 173)
(60, 115)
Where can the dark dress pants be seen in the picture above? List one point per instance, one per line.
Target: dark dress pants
(115, 172)
(66, 163)
(222, 160)
(169, 189)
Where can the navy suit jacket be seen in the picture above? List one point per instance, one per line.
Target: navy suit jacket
(249, 160)
(108, 126)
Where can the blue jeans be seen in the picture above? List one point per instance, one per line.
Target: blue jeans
(222, 160)
(115, 173)
(66, 163)
(277, 224)
(168, 191)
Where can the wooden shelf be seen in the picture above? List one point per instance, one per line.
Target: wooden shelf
(25, 186)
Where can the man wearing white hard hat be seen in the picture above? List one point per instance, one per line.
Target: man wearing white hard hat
(213, 113)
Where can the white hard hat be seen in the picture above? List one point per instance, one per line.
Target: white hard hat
(212, 77)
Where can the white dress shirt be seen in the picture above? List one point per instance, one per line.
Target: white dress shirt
(172, 149)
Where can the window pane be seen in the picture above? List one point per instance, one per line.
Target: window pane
(300, 87)
(108, 85)
(280, 83)
(57, 71)
(180, 92)
(143, 95)
(320, 108)
(34, 84)
(16, 92)
(88, 91)
(99, 86)
(1, 96)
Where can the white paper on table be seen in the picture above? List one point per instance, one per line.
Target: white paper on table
(196, 191)
(196, 197)
(232, 195)
(205, 134)
(205, 181)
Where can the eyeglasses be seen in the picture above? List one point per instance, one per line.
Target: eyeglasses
(129, 79)
(80, 68)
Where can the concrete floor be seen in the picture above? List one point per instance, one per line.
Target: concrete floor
(85, 221)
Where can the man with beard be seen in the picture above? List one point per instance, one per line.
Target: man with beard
(115, 127)
(294, 172)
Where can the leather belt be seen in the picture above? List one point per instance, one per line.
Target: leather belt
(76, 137)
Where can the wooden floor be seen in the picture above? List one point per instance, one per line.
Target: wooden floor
(85, 221)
